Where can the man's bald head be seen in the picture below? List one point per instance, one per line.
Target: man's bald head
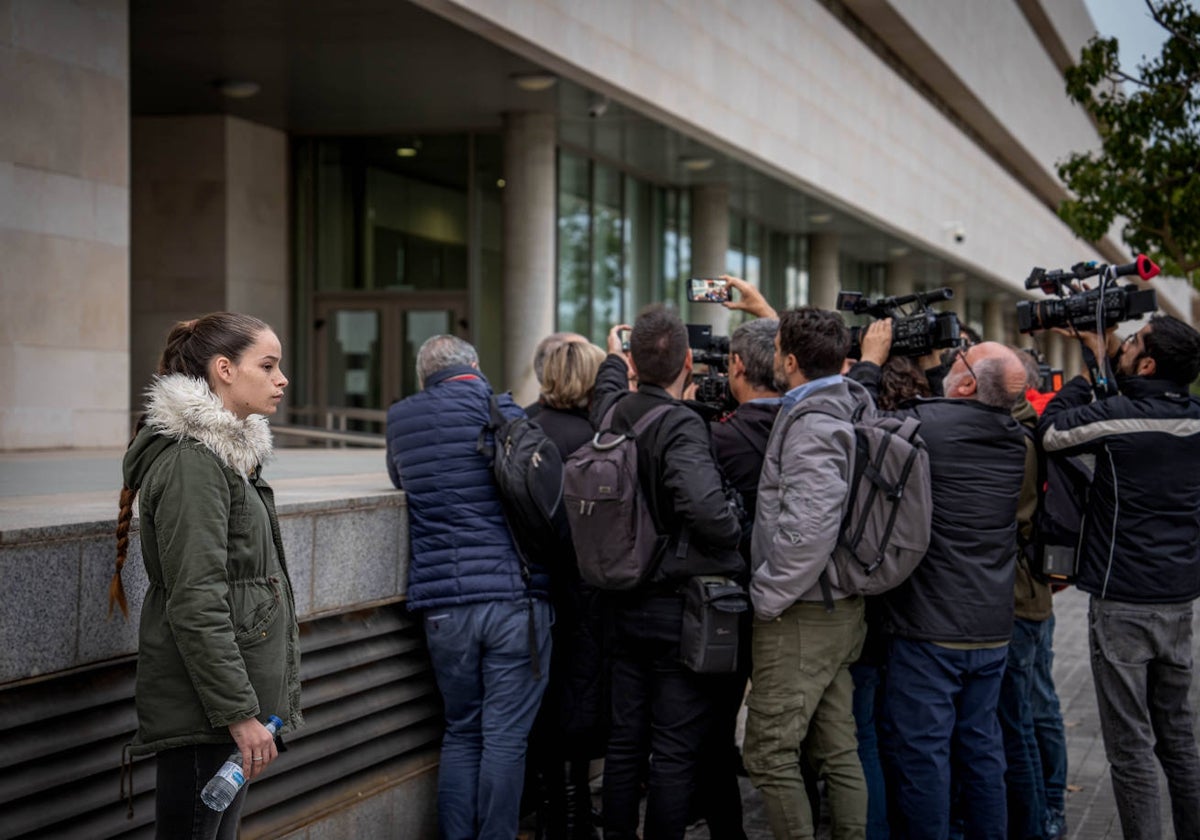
(988, 372)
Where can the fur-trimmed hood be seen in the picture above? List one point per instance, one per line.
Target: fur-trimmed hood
(179, 406)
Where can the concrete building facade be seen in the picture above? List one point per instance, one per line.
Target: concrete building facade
(162, 160)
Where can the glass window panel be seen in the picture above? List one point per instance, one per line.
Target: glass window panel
(574, 244)
(608, 248)
(420, 325)
(353, 374)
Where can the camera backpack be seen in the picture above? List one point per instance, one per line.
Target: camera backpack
(885, 531)
(528, 471)
(1052, 549)
(613, 532)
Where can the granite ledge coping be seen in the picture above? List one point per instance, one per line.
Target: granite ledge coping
(73, 530)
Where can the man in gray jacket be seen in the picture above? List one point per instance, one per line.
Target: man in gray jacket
(801, 685)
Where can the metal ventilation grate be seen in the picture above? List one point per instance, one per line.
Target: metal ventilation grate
(373, 718)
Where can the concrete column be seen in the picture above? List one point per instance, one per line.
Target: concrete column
(529, 239)
(993, 321)
(1052, 345)
(710, 248)
(900, 277)
(210, 229)
(64, 224)
(1072, 358)
(823, 270)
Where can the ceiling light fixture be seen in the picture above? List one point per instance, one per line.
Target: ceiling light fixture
(696, 163)
(237, 88)
(898, 251)
(534, 82)
(409, 150)
(820, 218)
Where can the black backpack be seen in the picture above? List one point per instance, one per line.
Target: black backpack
(612, 529)
(1052, 550)
(528, 471)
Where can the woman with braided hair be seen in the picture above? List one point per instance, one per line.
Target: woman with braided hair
(218, 643)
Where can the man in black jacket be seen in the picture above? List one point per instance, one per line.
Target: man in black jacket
(951, 621)
(658, 705)
(739, 442)
(1139, 559)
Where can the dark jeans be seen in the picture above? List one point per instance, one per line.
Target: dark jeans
(179, 814)
(1048, 724)
(1023, 779)
(1142, 667)
(868, 694)
(661, 711)
(940, 703)
(482, 660)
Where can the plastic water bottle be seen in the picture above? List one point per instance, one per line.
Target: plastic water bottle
(223, 787)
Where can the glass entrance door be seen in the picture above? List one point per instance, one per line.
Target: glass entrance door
(366, 345)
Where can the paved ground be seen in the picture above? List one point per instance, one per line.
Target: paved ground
(1091, 813)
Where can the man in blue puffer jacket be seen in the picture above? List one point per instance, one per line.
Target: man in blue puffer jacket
(487, 621)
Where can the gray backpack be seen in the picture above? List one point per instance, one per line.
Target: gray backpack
(885, 531)
(614, 535)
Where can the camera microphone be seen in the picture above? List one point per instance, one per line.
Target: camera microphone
(1143, 267)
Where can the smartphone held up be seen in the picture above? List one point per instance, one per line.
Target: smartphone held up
(708, 290)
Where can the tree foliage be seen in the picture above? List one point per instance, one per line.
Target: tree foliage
(1148, 168)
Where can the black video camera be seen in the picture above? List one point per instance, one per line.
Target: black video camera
(1050, 379)
(914, 333)
(1087, 310)
(712, 388)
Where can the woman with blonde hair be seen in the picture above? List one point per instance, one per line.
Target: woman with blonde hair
(572, 726)
(218, 643)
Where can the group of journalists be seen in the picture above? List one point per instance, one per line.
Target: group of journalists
(928, 711)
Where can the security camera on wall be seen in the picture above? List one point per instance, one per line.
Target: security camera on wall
(598, 108)
(956, 230)
(959, 233)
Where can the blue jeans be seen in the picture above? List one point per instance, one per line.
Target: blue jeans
(868, 694)
(1142, 668)
(484, 667)
(1024, 780)
(1048, 724)
(939, 703)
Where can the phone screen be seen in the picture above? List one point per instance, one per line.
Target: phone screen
(624, 336)
(708, 290)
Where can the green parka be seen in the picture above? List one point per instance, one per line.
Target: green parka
(218, 640)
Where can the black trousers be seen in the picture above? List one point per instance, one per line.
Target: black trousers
(659, 709)
(179, 814)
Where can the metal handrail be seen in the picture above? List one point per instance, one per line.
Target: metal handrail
(376, 415)
(369, 439)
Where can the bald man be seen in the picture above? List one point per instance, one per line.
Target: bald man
(950, 623)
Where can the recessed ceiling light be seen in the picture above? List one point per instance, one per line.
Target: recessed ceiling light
(237, 88)
(820, 218)
(500, 182)
(696, 163)
(409, 149)
(534, 82)
(898, 251)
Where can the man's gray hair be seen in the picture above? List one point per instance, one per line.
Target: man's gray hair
(754, 344)
(441, 352)
(992, 384)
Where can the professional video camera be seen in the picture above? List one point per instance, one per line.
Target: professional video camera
(914, 333)
(712, 387)
(1050, 379)
(1092, 309)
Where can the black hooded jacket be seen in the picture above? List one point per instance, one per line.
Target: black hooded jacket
(1141, 528)
(962, 591)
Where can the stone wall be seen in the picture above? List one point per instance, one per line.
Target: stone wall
(64, 223)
